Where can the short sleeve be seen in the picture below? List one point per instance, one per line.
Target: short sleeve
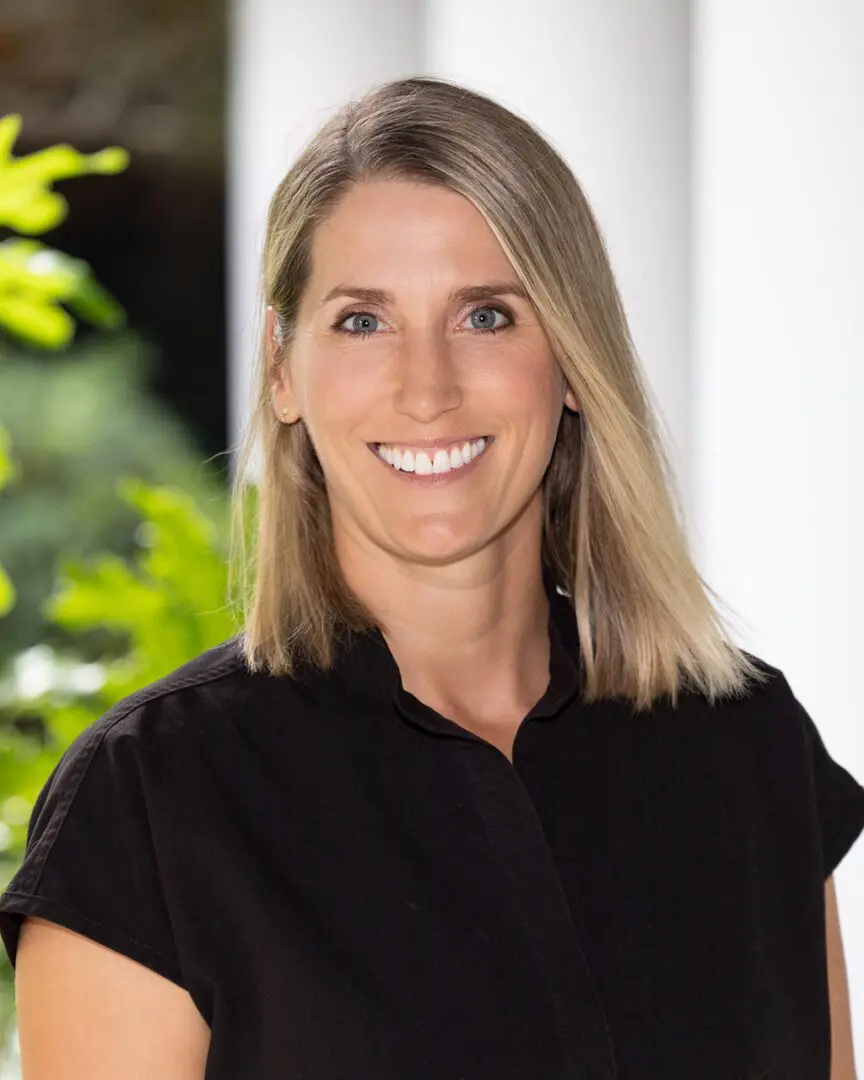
(838, 797)
(90, 863)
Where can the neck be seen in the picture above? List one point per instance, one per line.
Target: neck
(470, 638)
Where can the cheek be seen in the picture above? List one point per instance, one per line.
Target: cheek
(529, 393)
(338, 396)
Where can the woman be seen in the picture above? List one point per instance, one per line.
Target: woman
(482, 790)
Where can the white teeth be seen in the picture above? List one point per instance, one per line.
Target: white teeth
(441, 461)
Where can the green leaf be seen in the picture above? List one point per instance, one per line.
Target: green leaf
(8, 472)
(7, 593)
(35, 280)
(103, 592)
(111, 160)
(10, 129)
(32, 266)
(27, 203)
(35, 321)
(95, 304)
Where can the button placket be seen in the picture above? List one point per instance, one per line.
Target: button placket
(537, 894)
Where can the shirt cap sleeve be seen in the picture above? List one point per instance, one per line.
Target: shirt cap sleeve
(838, 796)
(90, 863)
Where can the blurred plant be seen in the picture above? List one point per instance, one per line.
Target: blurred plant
(35, 281)
(78, 422)
(7, 473)
(150, 611)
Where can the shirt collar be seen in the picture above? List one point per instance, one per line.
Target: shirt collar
(368, 665)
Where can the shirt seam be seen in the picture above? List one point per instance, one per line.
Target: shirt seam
(843, 835)
(41, 898)
(157, 690)
(42, 851)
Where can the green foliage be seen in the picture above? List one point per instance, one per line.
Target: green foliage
(156, 594)
(35, 280)
(78, 423)
(7, 473)
(171, 602)
(7, 592)
(26, 202)
(7, 469)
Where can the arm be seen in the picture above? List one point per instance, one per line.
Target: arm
(86, 1012)
(842, 1060)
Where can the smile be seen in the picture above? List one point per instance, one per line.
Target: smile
(431, 461)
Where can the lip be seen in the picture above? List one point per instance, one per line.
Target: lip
(432, 479)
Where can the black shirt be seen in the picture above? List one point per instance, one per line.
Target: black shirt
(353, 887)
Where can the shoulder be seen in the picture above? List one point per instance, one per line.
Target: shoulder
(772, 694)
(767, 696)
(776, 717)
(760, 729)
(211, 670)
(767, 733)
(146, 743)
(157, 718)
(793, 756)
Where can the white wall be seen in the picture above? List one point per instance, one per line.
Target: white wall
(779, 378)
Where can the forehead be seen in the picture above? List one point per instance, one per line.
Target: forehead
(399, 228)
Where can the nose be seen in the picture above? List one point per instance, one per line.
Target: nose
(427, 380)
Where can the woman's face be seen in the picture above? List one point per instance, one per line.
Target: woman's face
(426, 383)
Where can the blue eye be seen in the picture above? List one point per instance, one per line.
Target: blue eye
(362, 319)
(363, 316)
(487, 329)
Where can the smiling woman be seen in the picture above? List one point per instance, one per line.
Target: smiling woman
(484, 788)
(444, 365)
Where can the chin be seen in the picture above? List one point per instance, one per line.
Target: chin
(436, 547)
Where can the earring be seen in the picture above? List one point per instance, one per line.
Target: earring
(283, 412)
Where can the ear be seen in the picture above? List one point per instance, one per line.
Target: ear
(284, 404)
(570, 399)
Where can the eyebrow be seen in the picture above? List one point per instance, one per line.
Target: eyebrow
(466, 294)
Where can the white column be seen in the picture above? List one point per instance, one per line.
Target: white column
(779, 398)
(608, 82)
(291, 66)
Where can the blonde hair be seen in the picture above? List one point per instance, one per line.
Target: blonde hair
(612, 534)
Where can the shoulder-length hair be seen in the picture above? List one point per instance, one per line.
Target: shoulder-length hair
(613, 531)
